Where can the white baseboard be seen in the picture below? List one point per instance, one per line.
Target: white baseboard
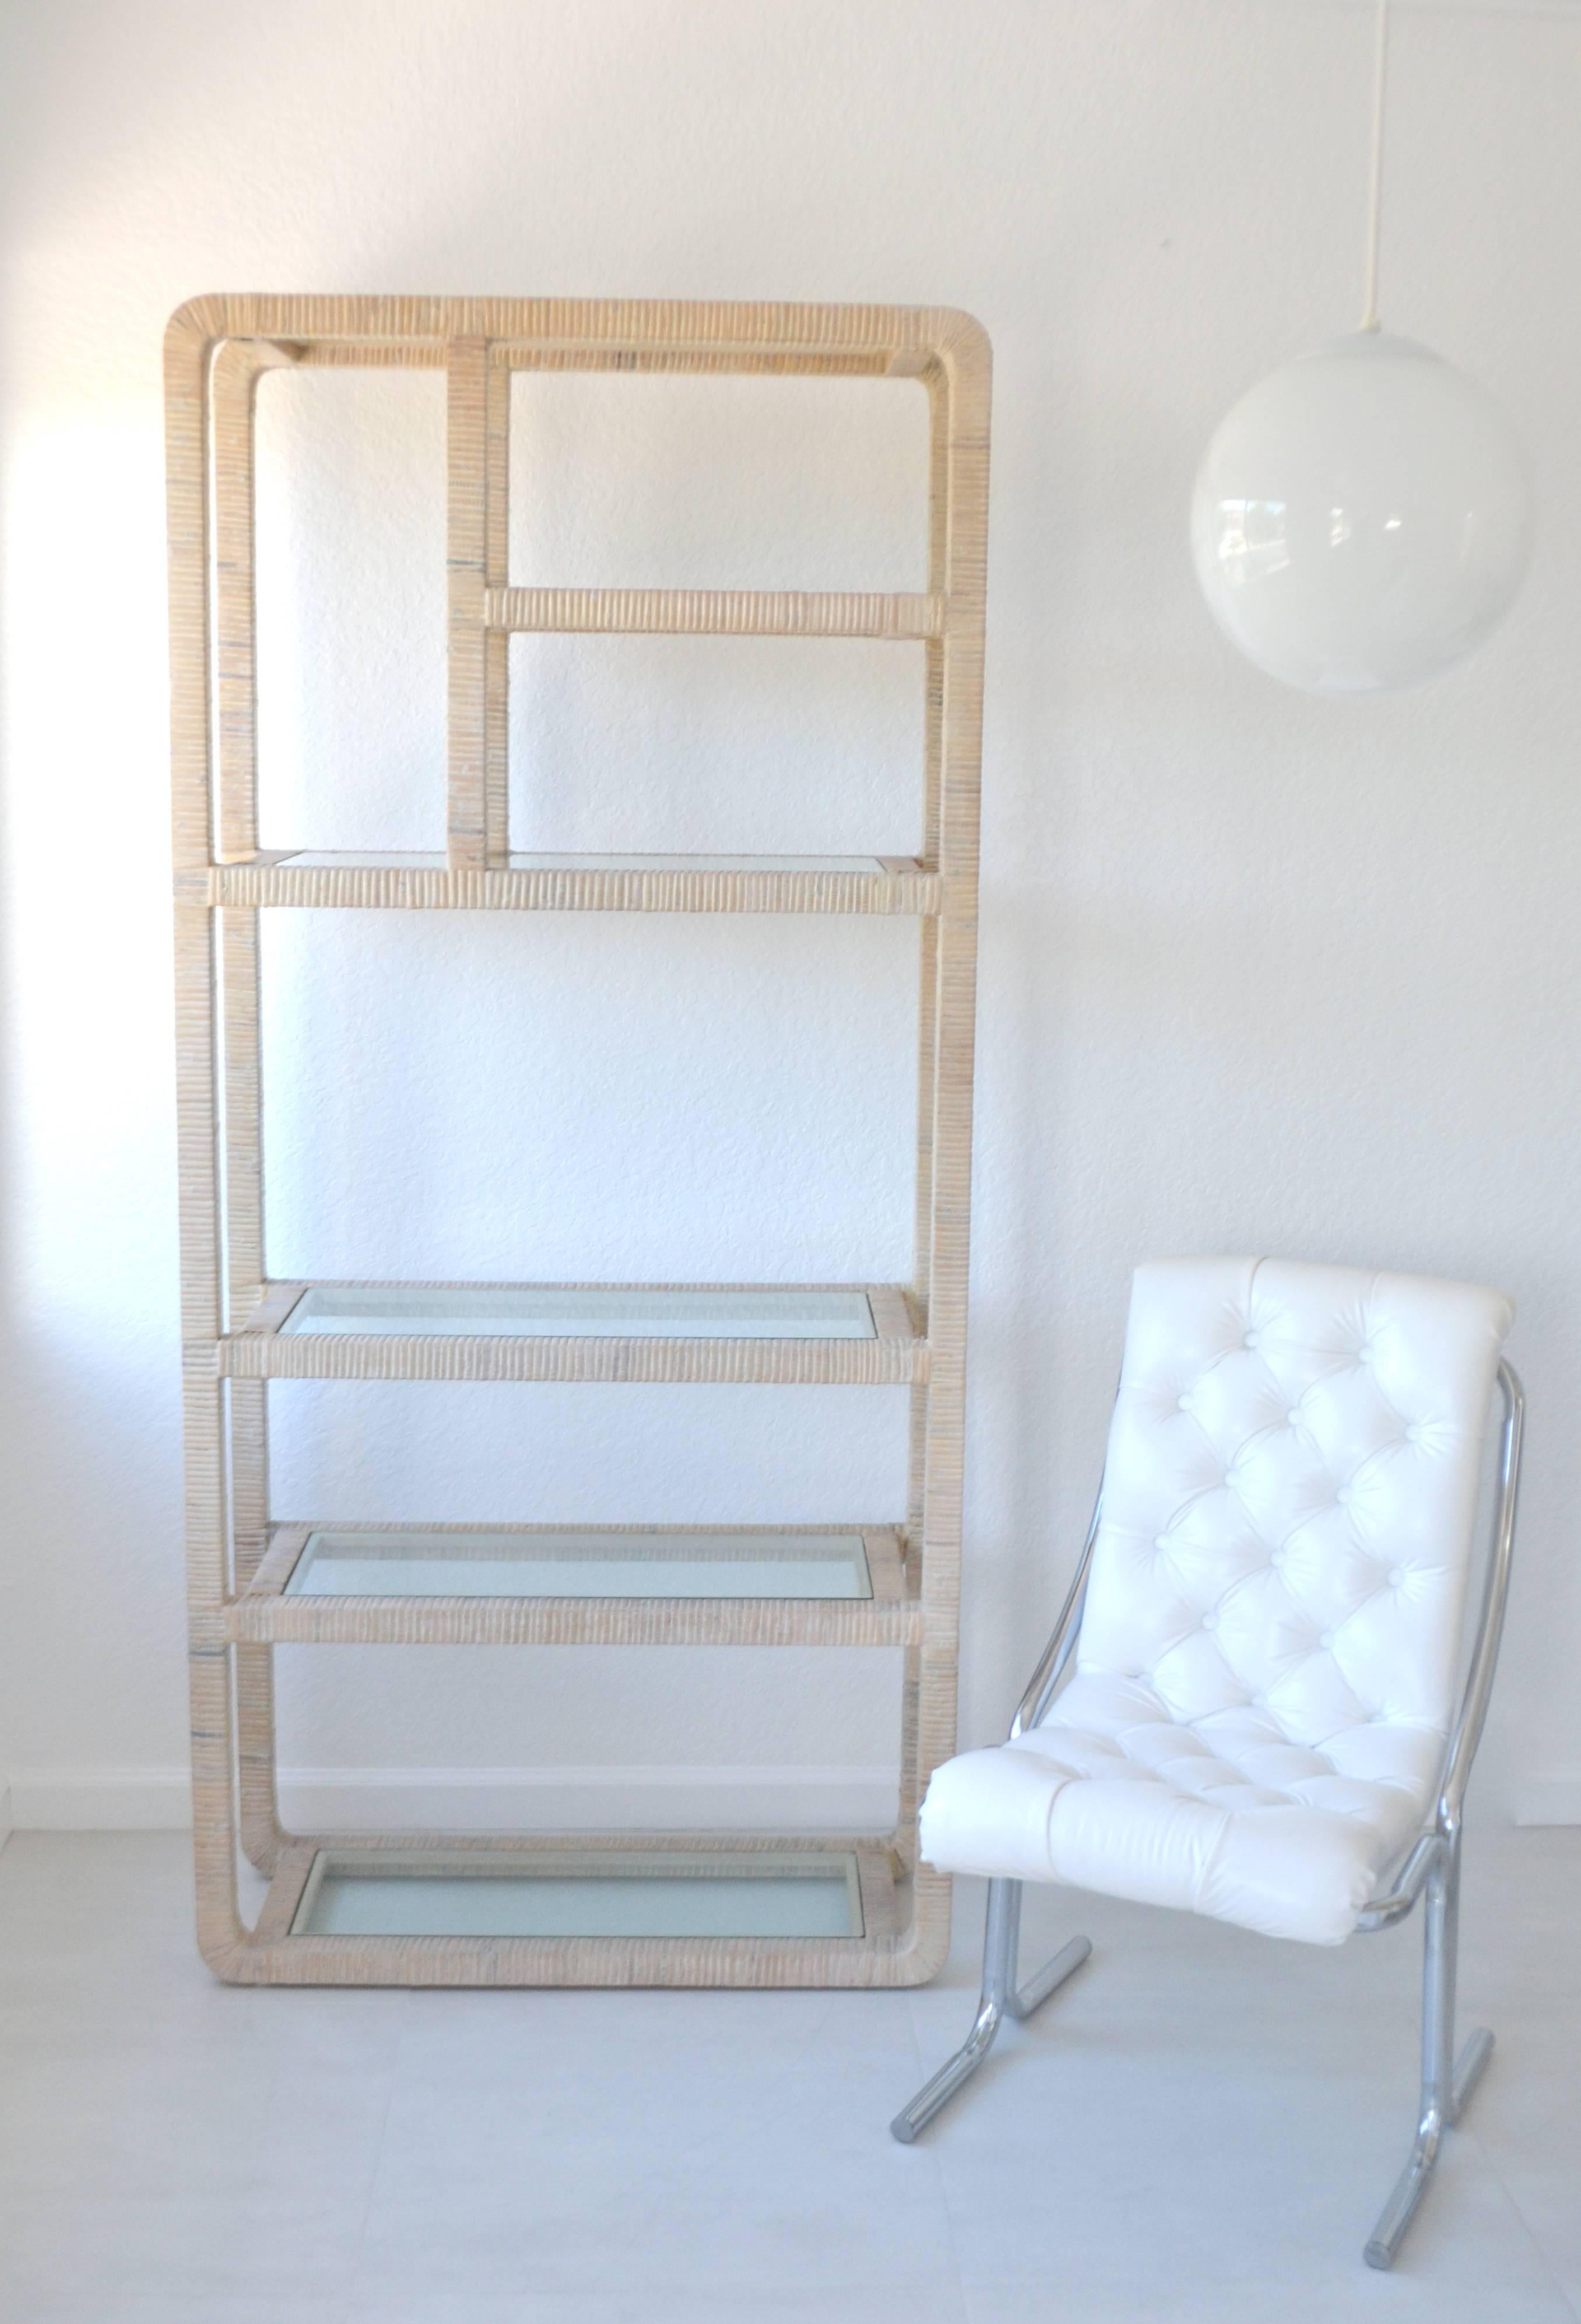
(534, 1799)
(479, 1799)
(100, 1799)
(1549, 1799)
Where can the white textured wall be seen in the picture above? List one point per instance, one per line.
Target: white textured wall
(1257, 973)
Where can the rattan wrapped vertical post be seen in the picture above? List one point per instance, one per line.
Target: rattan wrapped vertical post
(241, 1329)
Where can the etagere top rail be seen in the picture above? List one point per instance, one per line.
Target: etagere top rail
(589, 333)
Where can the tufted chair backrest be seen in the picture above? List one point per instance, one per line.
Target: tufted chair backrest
(1289, 1501)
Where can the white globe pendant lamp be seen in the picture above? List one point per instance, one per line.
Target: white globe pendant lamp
(1362, 519)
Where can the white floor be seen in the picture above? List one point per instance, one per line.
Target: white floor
(1200, 2129)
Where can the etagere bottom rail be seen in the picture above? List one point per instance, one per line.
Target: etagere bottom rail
(675, 1910)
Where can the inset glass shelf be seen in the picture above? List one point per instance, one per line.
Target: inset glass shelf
(426, 862)
(616, 1892)
(600, 1312)
(512, 1564)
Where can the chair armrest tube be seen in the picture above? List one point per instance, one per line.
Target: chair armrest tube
(1044, 1684)
(1382, 1911)
(1484, 1655)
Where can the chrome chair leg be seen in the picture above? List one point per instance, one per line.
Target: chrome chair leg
(1446, 2082)
(999, 2000)
(1048, 1978)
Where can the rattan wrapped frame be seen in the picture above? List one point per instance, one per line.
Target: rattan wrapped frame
(216, 350)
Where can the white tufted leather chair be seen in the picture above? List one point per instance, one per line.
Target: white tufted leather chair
(1249, 1707)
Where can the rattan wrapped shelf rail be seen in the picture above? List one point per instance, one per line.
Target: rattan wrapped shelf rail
(392, 1564)
(381, 1332)
(573, 884)
(288, 1949)
(768, 1909)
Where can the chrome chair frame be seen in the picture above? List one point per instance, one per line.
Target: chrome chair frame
(1431, 1867)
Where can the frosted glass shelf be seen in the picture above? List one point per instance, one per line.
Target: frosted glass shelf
(491, 1311)
(504, 1564)
(635, 1893)
(427, 862)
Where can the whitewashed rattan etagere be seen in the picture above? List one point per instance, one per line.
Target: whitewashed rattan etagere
(238, 1327)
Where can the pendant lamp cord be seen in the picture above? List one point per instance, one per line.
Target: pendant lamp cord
(1370, 321)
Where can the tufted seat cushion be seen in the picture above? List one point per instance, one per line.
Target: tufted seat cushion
(1264, 1677)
